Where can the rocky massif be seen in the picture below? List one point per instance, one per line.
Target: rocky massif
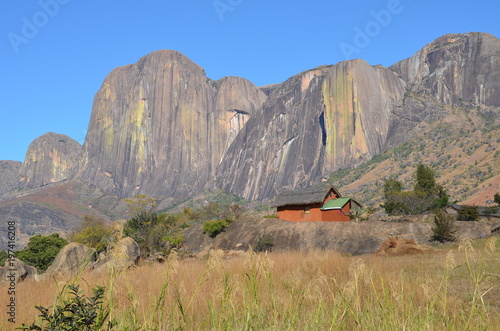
(50, 158)
(314, 123)
(160, 127)
(456, 70)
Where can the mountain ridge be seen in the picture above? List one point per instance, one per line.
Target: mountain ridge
(161, 127)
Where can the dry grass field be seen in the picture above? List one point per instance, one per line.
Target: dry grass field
(455, 288)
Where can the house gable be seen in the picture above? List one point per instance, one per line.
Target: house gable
(322, 203)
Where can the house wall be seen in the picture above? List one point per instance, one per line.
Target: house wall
(298, 214)
(337, 215)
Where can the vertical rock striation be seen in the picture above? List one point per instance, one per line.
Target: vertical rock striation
(456, 69)
(160, 126)
(9, 175)
(50, 158)
(312, 124)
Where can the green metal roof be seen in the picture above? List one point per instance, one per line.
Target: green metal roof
(335, 203)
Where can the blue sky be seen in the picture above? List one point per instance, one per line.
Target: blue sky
(56, 53)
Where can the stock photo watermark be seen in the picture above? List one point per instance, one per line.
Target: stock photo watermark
(12, 272)
(364, 35)
(223, 6)
(30, 26)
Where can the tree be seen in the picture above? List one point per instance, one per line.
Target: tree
(496, 198)
(152, 231)
(93, 232)
(392, 194)
(444, 227)
(425, 183)
(42, 250)
(426, 195)
(141, 204)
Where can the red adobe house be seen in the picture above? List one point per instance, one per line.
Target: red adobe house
(319, 203)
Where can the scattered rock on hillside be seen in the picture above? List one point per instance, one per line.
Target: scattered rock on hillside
(345, 237)
(124, 255)
(22, 271)
(73, 258)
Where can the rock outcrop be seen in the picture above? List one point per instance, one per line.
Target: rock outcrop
(9, 175)
(345, 237)
(50, 158)
(314, 123)
(456, 69)
(72, 259)
(124, 255)
(160, 126)
(16, 271)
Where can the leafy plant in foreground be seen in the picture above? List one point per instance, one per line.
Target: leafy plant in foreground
(77, 313)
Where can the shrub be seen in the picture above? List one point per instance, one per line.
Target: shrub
(496, 198)
(426, 195)
(77, 313)
(468, 213)
(491, 210)
(3, 257)
(213, 228)
(93, 232)
(41, 251)
(444, 227)
(264, 244)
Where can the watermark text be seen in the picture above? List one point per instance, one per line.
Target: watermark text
(30, 26)
(12, 271)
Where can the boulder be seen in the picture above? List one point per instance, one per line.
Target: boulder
(73, 258)
(18, 269)
(124, 255)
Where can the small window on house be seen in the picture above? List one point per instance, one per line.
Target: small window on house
(307, 210)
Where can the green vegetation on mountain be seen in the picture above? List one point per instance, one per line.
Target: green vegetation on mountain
(461, 146)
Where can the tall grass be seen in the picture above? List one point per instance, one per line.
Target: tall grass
(458, 289)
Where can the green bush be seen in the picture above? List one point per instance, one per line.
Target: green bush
(93, 232)
(468, 213)
(41, 251)
(3, 257)
(264, 244)
(213, 228)
(426, 195)
(444, 227)
(77, 313)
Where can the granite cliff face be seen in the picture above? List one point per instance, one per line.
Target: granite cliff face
(456, 69)
(314, 123)
(50, 158)
(160, 126)
(9, 175)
